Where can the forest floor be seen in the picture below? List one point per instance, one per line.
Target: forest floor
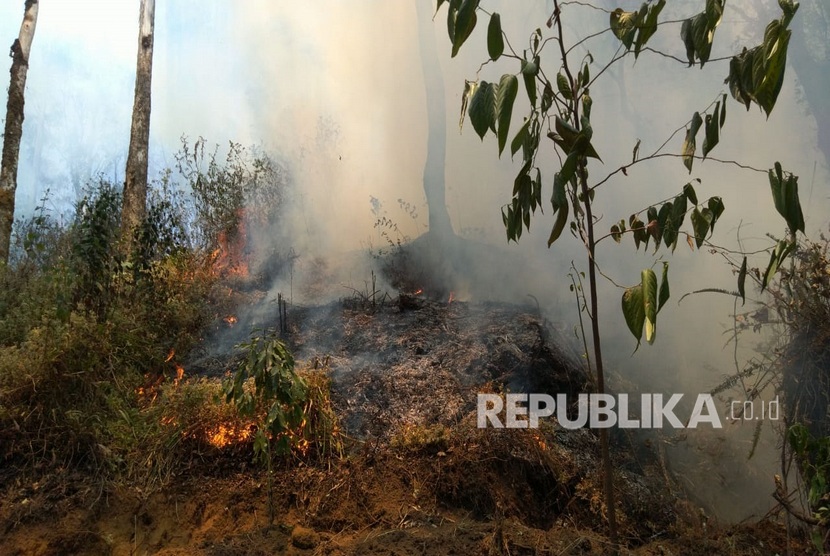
(413, 473)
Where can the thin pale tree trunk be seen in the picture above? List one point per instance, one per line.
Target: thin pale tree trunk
(14, 124)
(434, 183)
(135, 186)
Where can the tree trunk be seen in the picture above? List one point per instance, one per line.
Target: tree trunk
(135, 186)
(14, 124)
(434, 185)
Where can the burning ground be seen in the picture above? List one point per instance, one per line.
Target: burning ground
(410, 473)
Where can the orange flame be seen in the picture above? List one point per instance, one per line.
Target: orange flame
(170, 355)
(540, 441)
(231, 320)
(229, 257)
(452, 297)
(225, 434)
(419, 292)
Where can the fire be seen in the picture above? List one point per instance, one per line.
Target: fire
(419, 292)
(229, 257)
(179, 374)
(231, 320)
(170, 355)
(150, 390)
(225, 434)
(452, 297)
(540, 440)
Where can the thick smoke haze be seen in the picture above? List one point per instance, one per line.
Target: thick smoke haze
(335, 91)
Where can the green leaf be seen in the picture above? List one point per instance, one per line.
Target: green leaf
(742, 282)
(648, 281)
(700, 224)
(723, 111)
(785, 196)
(547, 97)
(568, 170)
(464, 23)
(483, 108)
(559, 201)
(690, 194)
(616, 233)
(529, 72)
(757, 75)
(520, 138)
(663, 222)
(712, 131)
(563, 86)
(689, 145)
(716, 207)
(698, 32)
(673, 220)
(648, 24)
(587, 102)
(664, 287)
(633, 309)
(505, 96)
(778, 255)
(495, 41)
(624, 26)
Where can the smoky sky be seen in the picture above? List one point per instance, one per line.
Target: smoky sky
(335, 91)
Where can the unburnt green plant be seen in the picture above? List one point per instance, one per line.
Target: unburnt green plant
(558, 87)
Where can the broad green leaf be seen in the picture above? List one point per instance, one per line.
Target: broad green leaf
(465, 22)
(698, 32)
(529, 72)
(648, 281)
(689, 144)
(616, 233)
(633, 309)
(565, 135)
(778, 255)
(569, 167)
(563, 86)
(663, 223)
(712, 130)
(547, 97)
(700, 225)
(689, 192)
(648, 24)
(587, 102)
(559, 201)
(522, 183)
(757, 75)
(483, 108)
(624, 26)
(785, 196)
(653, 225)
(742, 282)
(664, 287)
(495, 42)
(505, 96)
(716, 207)
(679, 210)
(520, 138)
